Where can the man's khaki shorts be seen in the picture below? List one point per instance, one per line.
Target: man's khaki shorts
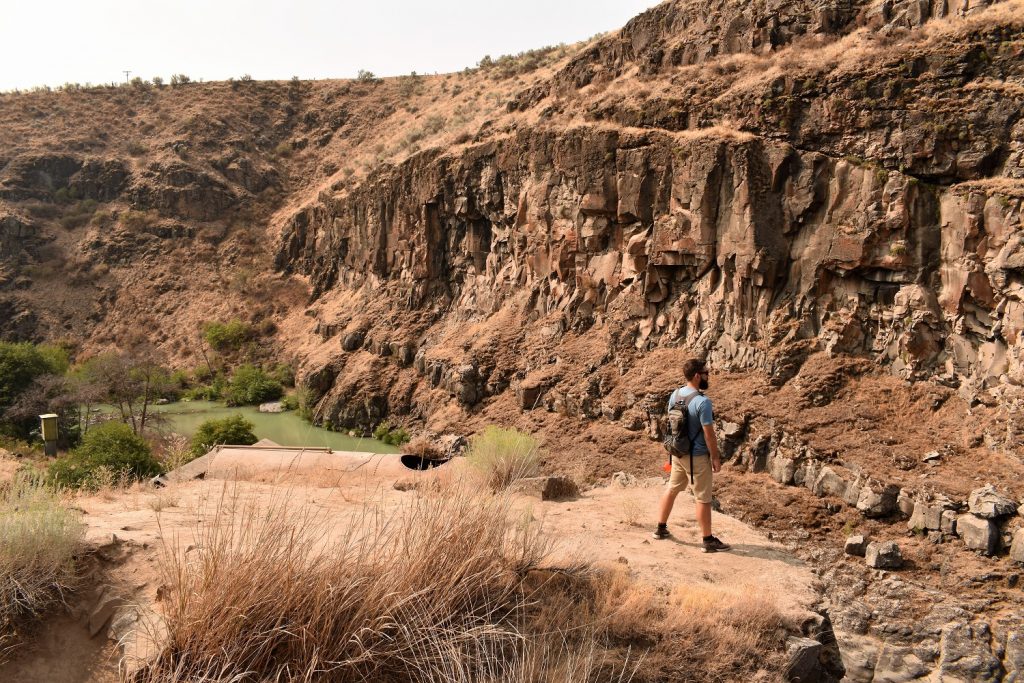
(680, 478)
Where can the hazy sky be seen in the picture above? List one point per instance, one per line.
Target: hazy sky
(53, 42)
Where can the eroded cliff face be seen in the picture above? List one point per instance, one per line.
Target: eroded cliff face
(741, 248)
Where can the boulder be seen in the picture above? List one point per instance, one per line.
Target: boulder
(272, 407)
(988, 503)
(929, 516)
(853, 489)
(806, 474)
(932, 456)
(804, 659)
(624, 479)
(1017, 546)
(905, 503)
(947, 523)
(918, 518)
(528, 393)
(829, 483)
(546, 488)
(353, 340)
(783, 469)
(883, 555)
(877, 502)
(856, 545)
(978, 533)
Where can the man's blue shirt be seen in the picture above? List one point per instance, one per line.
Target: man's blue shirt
(700, 413)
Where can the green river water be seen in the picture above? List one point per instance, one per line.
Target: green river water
(286, 429)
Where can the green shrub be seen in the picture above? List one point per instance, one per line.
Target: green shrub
(180, 379)
(234, 430)
(305, 399)
(284, 373)
(227, 336)
(202, 373)
(394, 436)
(250, 385)
(111, 448)
(503, 456)
(290, 402)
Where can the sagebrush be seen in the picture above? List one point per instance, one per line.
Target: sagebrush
(503, 456)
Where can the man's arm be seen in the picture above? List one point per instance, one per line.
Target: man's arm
(712, 441)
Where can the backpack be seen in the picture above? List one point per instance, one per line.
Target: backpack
(677, 441)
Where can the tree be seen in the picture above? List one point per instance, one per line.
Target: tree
(130, 381)
(365, 76)
(233, 430)
(70, 398)
(21, 367)
(21, 363)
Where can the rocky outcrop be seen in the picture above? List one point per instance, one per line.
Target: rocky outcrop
(37, 176)
(178, 189)
(743, 247)
(16, 232)
(687, 32)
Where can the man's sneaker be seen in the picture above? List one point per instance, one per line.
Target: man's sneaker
(713, 545)
(662, 532)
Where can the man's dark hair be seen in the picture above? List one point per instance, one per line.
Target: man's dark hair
(692, 367)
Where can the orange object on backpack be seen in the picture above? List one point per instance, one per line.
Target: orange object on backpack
(667, 467)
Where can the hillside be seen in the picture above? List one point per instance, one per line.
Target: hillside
(823, 197)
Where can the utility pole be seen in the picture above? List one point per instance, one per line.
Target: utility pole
(126, 73)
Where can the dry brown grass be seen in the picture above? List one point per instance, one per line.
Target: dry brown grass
(453, 587)
(39, 537)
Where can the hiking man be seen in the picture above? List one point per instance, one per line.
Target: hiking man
(704, 456)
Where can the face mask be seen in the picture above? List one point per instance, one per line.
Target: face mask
(703, 383)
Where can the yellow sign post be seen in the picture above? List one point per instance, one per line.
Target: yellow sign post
(49, 422)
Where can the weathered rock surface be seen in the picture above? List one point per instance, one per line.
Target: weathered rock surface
(855, 545)
(883, 555)
(1017, 546)
(965, 654)
(978, 533)
(878, 501)
(804, 659)
(546, 488)
(988, 503)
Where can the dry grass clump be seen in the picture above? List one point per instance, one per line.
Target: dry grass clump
(453, 587)
(503, 456)
(428, 594)
(39, 537)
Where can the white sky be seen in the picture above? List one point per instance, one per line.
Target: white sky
(48, 42)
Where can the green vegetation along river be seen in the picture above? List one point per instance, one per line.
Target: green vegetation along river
(286, 429)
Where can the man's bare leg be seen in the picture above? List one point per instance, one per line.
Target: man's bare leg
(704, 518)
(667, 501)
